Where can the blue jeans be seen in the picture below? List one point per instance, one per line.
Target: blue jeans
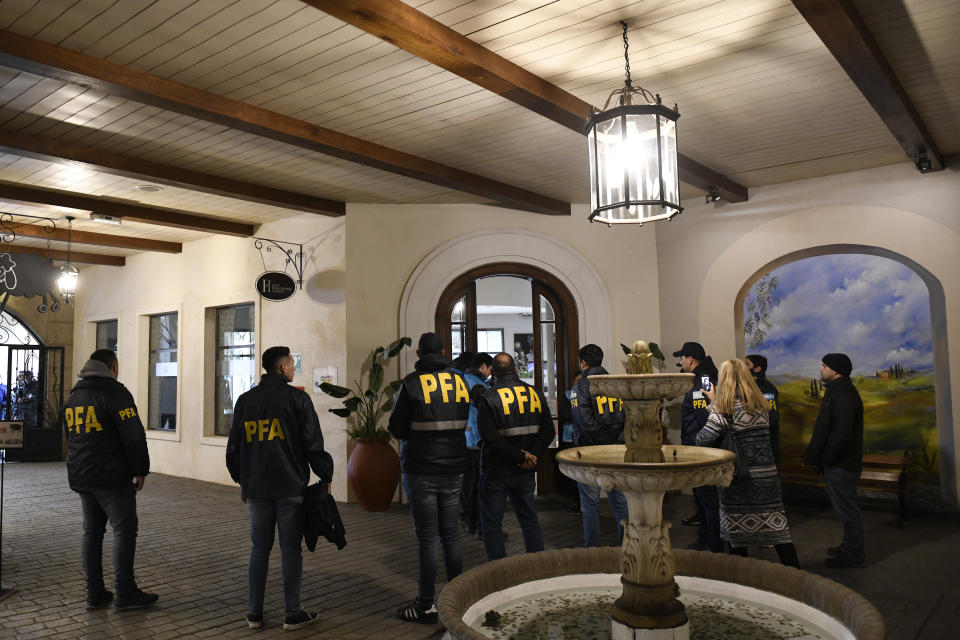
(285, 515)
(435, 505)
(119, 506)
(494, 489)
(708, 510)
(842, 489)
(590, 509)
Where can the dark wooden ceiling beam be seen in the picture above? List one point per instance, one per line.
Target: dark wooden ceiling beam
(407, 28)
(843, 31)
(91, 237)
(132, 212)
(49, 60)
(115, 164)
(75, 256)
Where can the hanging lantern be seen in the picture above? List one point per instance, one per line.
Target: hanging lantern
(633, 157)
(67, 282)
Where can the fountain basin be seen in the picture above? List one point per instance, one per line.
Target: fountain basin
(684, 467)
(831, 609)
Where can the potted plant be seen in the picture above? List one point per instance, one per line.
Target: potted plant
(373, 469)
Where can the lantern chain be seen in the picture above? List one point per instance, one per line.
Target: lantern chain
(626, 56)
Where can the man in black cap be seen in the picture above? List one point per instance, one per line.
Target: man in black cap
(429, 421)
(836, 450)
(596, 420)
(516, 428)
(693, 415)
(758, 367)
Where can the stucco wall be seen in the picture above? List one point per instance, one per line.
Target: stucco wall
(707, 255)
(214, 272)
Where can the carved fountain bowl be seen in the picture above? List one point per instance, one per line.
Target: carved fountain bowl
(647, 386)
(685, 467)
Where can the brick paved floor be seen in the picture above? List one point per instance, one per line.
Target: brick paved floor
(194, 542)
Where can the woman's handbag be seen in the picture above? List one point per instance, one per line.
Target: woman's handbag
(728, 440)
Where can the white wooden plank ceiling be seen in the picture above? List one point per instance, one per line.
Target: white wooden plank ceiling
(761, 98)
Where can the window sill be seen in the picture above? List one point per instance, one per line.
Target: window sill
(163, 434)
(214, 441)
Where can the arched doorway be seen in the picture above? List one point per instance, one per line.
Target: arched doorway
(31, 389)
(545, 347)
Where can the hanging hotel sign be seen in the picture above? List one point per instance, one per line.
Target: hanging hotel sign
(276, 285)
(11, 435)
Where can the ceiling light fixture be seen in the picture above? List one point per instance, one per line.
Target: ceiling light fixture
(105, 219)
(67, 282)
(633, 156)
(713, 196)
(148, 188)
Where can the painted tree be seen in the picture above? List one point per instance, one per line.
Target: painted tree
(757, 307)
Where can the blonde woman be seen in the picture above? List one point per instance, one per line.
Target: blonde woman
(751, 509)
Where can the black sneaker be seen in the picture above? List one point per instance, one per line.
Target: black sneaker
(297, 620)
(99, 600)
(136, 599)
(414, 612)
(834, 552)
(692, 521)
(254, 620)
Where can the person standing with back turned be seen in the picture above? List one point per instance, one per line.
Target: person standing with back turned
(274, 441)
(107, 464)
(429, 421)
(836, 450)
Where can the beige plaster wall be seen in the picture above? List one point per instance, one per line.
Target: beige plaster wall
(213, 272)
(710, 252)
(388, 245)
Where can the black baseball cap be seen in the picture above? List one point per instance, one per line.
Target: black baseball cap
(692, 350)
(430, 343)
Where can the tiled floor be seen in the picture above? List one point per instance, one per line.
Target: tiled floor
(194, 542)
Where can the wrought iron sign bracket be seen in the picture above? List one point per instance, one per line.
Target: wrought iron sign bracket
(293, 255)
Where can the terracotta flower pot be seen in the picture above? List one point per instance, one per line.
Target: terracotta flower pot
(373, 471)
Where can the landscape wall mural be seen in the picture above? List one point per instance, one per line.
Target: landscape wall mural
(875, 310)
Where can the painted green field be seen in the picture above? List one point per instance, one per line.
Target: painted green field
(899, 415)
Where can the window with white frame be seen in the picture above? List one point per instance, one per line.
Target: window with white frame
(162, 374)
(490, 341)
(235, 357)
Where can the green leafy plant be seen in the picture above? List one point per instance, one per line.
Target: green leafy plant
(368, 404)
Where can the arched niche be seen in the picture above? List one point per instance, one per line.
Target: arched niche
(925, 246)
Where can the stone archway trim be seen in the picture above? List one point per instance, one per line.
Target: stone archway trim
(463, 253)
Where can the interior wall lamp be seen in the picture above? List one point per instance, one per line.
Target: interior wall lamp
(633, 156)
(67, 282)
(713, 196)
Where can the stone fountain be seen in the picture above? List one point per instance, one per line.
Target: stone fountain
(648, 607)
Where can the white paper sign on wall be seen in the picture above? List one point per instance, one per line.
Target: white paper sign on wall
(323, 374)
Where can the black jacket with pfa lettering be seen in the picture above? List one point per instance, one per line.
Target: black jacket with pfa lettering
(275, 440)
(430, 417)
(772, 396)
(106, 444)
(695, 407)
(513, 417)
(596, 419)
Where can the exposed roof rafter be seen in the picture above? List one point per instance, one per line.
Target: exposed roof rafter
(133, 212)
(115, 164)
(843, 31)
(426, 38)
(75, 256)
(43, 58)
(93, 238)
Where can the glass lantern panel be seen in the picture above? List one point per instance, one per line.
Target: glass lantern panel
(610, 159)
(591, 150)
(459, 311)
(668, 150)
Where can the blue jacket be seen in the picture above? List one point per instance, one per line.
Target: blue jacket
(473, 381)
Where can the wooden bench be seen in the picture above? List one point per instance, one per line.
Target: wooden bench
(881, 472)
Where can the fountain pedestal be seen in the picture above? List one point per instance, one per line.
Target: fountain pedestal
(645, 470)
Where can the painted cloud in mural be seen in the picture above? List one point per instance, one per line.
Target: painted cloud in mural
(874, 309)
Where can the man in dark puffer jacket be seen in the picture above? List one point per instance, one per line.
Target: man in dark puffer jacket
(107, 463)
